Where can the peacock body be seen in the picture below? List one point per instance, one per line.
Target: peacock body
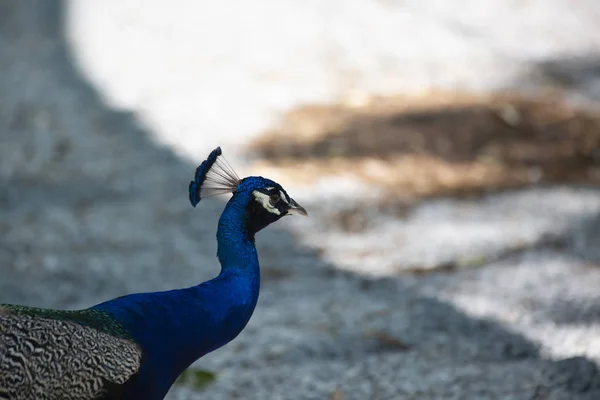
(134, 347)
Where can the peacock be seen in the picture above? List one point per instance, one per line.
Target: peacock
(134, 347)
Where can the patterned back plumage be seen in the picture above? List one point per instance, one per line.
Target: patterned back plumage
(46, 359)
(96, 319)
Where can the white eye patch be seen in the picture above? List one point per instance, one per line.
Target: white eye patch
(284, 197)
(264, 199)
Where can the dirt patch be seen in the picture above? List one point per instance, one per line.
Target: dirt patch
(440, 144)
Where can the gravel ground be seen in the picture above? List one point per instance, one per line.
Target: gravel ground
(93, 199)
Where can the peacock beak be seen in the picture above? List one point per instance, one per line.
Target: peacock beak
(297, 209)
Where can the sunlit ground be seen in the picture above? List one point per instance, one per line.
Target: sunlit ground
(442, 144)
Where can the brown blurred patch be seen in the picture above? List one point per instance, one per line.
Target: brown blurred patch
(270, 273)
(440, 144)
(337, 395)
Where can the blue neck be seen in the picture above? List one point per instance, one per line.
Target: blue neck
(177, 327)
(235, 243)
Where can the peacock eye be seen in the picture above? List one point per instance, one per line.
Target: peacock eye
(274, 198)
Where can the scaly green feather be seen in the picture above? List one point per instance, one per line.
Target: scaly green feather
(99, 320)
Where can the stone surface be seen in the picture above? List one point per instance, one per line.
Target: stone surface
(93, 200)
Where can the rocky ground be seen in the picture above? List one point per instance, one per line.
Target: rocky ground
(106, 107)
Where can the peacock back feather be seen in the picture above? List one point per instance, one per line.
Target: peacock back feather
(52, 354)
(96, 319)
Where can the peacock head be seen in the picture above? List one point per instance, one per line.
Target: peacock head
(265, 200)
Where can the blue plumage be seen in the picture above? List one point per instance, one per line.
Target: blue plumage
(200, 176)
(174, 328)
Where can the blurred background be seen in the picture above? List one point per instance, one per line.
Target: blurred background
(448, 154)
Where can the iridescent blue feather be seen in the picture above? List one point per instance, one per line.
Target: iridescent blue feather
(201, 172)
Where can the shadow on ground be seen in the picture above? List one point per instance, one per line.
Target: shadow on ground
(579, 75)
(92, 208)
(441, 144)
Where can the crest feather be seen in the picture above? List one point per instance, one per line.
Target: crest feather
(214, 176)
